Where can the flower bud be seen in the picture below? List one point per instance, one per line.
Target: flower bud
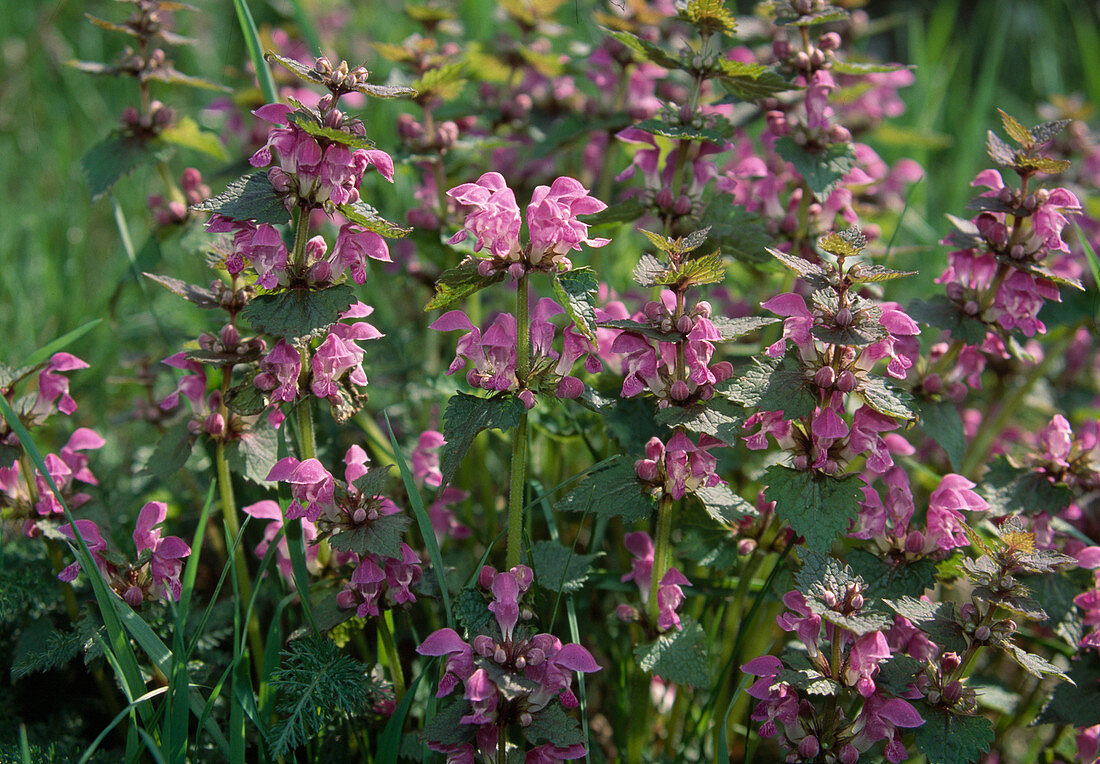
(679, 390)
(525, 719)
(664, 198)
(801, 462)
(949, 662)
(229, 336)
(933, 383)
(952, 692)
(191, 179)
(829, 41)
(846, 381)
(809, 748)
(825, 377)
(802, 60)
(359, 516)
(856, 601)
(646, 470)
(684, 324)
(781, 49)
(844, 317)
(682, 206)
(133, 596)
(1017, 252)
(214, 426)
(971, 307)
(830, 598)
(746, 546)
(817, 58)
(849, 754)
(485, 577)
(521, 662)
(914, 542)
(982, 633)
(499, 655)
(830, 467)
(840, 134)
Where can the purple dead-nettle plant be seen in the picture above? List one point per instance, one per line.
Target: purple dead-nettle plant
(511, 678)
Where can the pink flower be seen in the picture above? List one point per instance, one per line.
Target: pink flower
(167, 553)
(494, 219)
(279, 372)
(89, 531)
(552, 218)
(54, 387)
(309, 482)
(945, 521)
(269, 510)
(353, 246)
(191, 385)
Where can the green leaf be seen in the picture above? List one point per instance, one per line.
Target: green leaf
(443, 81)
(308, 122)
(678, 656)
(680, 131)
(576, 291)
(940, 421)
(868, 274)
(245, 398)
(646, 330)
(648, 50)
(613, 491)
(458, 283)
(709, 16)
(887, 399)
(708, 269)
(1012, 490)
(750, 81)
(473, 615)
(250, 197)
(446, 727)
(810, 681)
(1076, 704)
(892, 579)
(193, 293)
(1048, 130)
(772, 384)
(186, 133)
(46, 352)
(559, 569)
(298, 312)
(381, 536)
(947, 738)
(865, 67)
(822, 169)
(740, 234)
(1036, 665)
(553, 726)
(466, 416)
(368, 217)
(112, 158)
(942, 313)
(999, 151)
(650, 271)
(254, 454)
(716, 417)
(847, 243)
(370, 483)
(172, 451)
(1015, 130)
(1055, 594)
(936, 619)
(723, 505)
(817, 506)
(736, 328)
(822, 15)
(812, 273)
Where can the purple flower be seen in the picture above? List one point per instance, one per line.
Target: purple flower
(945, 520)
(552, 218)
(494, 218)
(310, 483)
(53, 387)
(269, 510)
(167, 553)
(353, 246)
(279, 372)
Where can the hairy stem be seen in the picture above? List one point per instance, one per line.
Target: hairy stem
(660, 554)
(519, 443)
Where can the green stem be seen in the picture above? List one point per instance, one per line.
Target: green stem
(660, 554)
(519, 443)
(385, 636)
(301, 236)
(308, 442)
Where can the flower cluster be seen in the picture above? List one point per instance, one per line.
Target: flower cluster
(670, 595)
(509, 675)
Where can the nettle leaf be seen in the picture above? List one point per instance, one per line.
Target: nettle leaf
(455, 284)
(680, 131)
(368, 217)
(947, 738)
(772, 384)
(1044, 164)
(308, 122)
(812, 273)
(1040, 269)
(1013, 490)
(381, 536)
(999, 151)
(553, 726)
(817, 506)
(1048, 130)
(559, 568)
(822, 15)
(810, 681)
(254, 454)
(112, 158)
(171, 452)
(887, 399)
(936, 619)
(298, 312)
(446, 727)
(940, 421)
(612, 491)
(1076, 704)
(865, 67)
(370, 484)
(1055, 594)
(193, 293)
(1036, 665)
(650, 271)
(993, 204)
(822, 169)
(942, 313)
(847, 243)
(710, 16)
(245, 398)
(186, 133)
(473, 615)
(723, 505)
(678, 656)
(646, 330)
(750, 81)
(1015, 130)
(821, 568)
(736, 328)
(444, 81)
(647, 49)
(708, 269)
(892, 579)
(468, 415)
(576, 291)
(872, 274)
(250, 197)
(717, 417)
(740, 234)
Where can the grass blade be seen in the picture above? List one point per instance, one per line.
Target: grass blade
(255, 51)
(46, 351)
(389, 743)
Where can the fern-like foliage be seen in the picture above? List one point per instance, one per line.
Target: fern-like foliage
(27, 586)
(317, 684)
(43, 648)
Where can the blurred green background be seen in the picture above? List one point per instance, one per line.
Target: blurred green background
(62, 260)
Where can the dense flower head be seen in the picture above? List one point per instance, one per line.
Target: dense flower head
(670, 595)
(494, 220)
(489, 666)
(680, 466)
(337, 363)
